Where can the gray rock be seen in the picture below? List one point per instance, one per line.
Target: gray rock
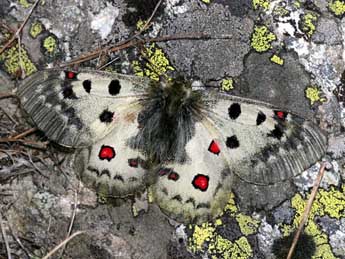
(282, 86)
(327, 32)
(212, 58)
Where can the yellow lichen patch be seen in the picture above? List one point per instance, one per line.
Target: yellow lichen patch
(313, 94)
(330, 203)
(337, 7)
(158, 64)
(140, 24)
(265, 4)
(206, 239)
(225, 249)
(262, 38)
(134, 211)
(278, 60)
(247, 224)
(201, 234)
(231, 205)
(150, 197)
(308, 23)
(15, 60)
(206, 1)
(280, 11)
(50, 44)
(227, 84)
(297, 4)
(218, 222)
(24, 3)
(35, 29)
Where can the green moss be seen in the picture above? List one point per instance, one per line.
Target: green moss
(50, 44)
(313, 93)
(337, 7)
(262, 38)
(227, 84)
(14, 61)
(36, 29)
(330, 203)
(308, 24)
(157, 64)
(278, 60)
(265, 4)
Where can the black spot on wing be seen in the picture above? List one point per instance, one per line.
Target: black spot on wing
(177, 198)
(232, 142)
(234, 111)
(118, 177)
(87, 85)
(191, 200)
(68, 92)
(106, 116)
(105, 172)
(203, 205)
(92, 169)
(260, 118)
(114, 87)
(71, 115)
(277, 132)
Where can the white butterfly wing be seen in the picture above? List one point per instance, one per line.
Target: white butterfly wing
(199, 188)
(77, 109)
(263, 144)
(95, 110)
(110, 166)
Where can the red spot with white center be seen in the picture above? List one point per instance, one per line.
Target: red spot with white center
(133, 162)
(106, 153)
(70, 75)
(214, 147)
(200, 182)
(281, 115)
(173, 176)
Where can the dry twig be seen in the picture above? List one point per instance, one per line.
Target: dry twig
(53, 251)
(28, 254)
(134, 42)
(307, 210)
(25, 133)
(75, 205)
(3, 231)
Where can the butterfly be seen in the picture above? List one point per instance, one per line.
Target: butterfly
(186, 143)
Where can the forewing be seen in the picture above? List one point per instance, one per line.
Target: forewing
(199, 188)
(77, 109)
(263, 144)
